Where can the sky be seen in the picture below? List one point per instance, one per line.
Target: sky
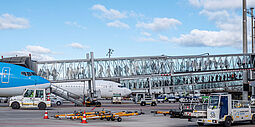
(68, 29)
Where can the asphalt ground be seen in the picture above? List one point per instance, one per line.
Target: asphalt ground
(34, 117)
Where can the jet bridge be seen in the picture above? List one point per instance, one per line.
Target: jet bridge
(180, 73)
(131, 67)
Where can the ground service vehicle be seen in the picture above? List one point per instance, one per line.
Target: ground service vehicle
(223, 110)
(92, 102)
(148, 101)
(253, 99)
(31, 98)
(56, 101)
(116, 99)
(171, 99)
(162, 98)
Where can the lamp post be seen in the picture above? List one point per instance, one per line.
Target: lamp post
(245, 72)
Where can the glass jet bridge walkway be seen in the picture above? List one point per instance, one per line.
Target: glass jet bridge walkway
(178, 72)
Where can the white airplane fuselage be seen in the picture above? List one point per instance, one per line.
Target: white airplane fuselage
(105, 88)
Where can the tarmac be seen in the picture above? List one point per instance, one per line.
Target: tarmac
(34, 117)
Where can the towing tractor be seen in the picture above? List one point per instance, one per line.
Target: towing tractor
(223, 110)
(31, 98)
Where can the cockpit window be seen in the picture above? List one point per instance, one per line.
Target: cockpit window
(24, 73)
(28, 73)
(34, 74)
(120, 86)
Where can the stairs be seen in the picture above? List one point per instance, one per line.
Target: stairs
(67, 95)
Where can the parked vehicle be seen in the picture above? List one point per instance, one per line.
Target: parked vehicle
(3, 99)
(148, 100)
(56, 101)
(223, 110)
(116, 99)
(31, 98)
(172, 99)
(162, 98)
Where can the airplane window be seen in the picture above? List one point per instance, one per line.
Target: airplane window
(23, 73)
(29, 73)
(34, 74)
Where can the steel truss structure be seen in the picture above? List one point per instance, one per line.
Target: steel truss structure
(184, 70)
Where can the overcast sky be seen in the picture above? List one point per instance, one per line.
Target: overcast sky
(68, 29)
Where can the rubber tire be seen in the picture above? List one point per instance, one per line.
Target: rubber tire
(119, 119)
(108, 118)
(42, 106)
(143, 104)
(15, 105)
(253, 119)
(98, 104)
(227, 122)
(153, 104)
(113, 119)
(58, 103)
(200, 124)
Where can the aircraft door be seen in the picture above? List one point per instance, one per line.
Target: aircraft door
(223, 106)
(5, 75)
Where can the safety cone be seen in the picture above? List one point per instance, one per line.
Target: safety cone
(84, 120)
(46, 115)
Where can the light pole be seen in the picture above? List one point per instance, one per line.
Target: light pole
(252, 31)
(245, 73)
(109, 53)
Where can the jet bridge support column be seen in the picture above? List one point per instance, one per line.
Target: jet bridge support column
(149, 83)
(89, 82)
(93, 75)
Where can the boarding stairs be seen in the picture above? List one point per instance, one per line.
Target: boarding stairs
(67, 95)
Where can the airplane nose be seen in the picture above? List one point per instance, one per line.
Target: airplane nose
(128, 92)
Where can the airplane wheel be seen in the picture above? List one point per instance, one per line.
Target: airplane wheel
(119, 119)
(15, 105)
(42, 106)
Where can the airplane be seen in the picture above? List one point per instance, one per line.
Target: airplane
(14, 79)
(106, 89)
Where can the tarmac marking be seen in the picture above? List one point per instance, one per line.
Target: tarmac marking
(54, 124)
